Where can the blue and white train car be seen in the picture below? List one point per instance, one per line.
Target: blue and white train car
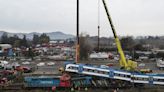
(116, 74)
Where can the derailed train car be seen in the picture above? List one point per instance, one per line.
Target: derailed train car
(122, 75)
(41, 81)
(64, 81)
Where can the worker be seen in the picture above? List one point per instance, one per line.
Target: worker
(53, 88)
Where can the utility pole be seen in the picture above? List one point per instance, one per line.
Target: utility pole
(77, 38)
(98, 44)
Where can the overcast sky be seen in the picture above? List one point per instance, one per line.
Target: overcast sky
(130, 17)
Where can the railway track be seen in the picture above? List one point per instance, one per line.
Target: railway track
(14, 86)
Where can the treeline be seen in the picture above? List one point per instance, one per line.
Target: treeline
(142, 43)
(15, 41)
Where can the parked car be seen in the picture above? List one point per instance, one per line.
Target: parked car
(8, 67)
(141, 65)
(6, 72)
(50, 63)
(3, 80)
(26, 63)
(41, 64)
(15, 64)
(27, 69)
(109, 64)
(4, 62)
(104, 66)
(24, 69)
(100, 55)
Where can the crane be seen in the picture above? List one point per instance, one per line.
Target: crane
(124, 63)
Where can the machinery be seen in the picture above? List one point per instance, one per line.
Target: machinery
(129, 73)
(124, 63)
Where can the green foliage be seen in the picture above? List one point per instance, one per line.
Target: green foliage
(15, 41)
(24, 41)
(4, 38)
(139, 47)
(35, 39)
(44, 38)
(127, 42)
(30, 53)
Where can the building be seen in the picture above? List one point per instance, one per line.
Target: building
(4, 47)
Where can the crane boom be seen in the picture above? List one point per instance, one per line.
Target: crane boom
(122, 55)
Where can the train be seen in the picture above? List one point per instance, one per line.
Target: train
(86, 75)
(116, 74)
(41, 81)
(56, 81)
(75, 82)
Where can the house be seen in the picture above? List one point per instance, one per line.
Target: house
(4, 47)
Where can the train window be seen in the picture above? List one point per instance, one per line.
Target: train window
(143, 79)
(90, 70)
(123, 75)
(155, 79)
(102, 72)
(85, 69)
(75, 68)
(133, 78)
(106, 73)
(160, 80)
(70, 67)
(96, 71)
(115, 74)
(128, 76)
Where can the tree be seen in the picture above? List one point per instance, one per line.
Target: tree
(16, 43)
(44, 38)
(4, 38)
(127, 43)
(138, 47)
(30, 53)
(35, 39)
(12, 39)
(24, 41)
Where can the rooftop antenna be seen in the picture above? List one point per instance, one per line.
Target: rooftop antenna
(77, 36)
